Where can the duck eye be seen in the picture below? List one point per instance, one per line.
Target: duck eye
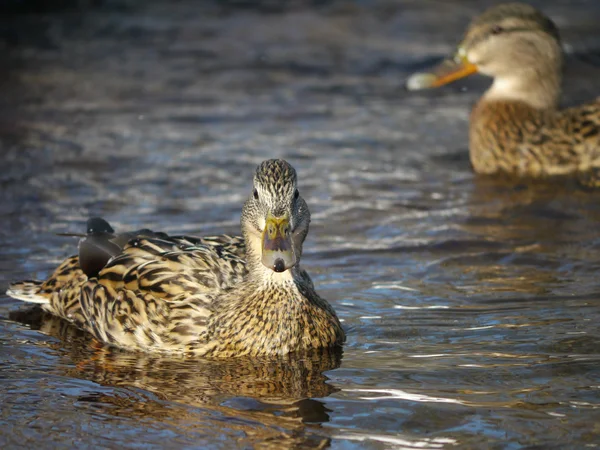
(296, 194)
(497, 29)
(255, 194)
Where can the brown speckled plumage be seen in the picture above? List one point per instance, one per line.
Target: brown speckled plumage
(514, 138)
(517, 128)
(199, 296)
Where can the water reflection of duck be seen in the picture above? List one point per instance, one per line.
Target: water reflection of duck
(158, 293)
(264, 398)
(516, 128)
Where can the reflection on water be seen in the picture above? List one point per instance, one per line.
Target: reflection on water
(278, 380)
(255, 397)
(470, 305)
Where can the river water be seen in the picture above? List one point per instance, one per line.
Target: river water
(471, 305)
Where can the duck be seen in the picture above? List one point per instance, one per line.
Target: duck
(217, 296)
(517, 128)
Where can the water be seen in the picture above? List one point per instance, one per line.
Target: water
(471, 305)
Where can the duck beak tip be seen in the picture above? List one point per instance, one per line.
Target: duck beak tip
(449, 70)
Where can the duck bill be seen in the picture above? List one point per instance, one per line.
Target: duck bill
(447, 71)
(277, 247)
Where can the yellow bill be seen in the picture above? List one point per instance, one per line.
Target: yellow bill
(447, 71)
(277, 247)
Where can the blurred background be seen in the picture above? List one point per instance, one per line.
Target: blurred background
(470, 304)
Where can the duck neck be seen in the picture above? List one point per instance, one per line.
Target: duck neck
(537, 87)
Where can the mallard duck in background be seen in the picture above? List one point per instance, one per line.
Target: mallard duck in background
(516, 127)
(153, 292)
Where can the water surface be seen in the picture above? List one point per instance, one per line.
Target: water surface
(471, 305)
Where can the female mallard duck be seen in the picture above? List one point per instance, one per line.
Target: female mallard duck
(516, 127)
(152, 292)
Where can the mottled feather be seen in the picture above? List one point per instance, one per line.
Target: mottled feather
(514, 138)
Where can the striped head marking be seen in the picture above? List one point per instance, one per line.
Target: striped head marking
(275, 178)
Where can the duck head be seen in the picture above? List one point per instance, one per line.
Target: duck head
(515, 44)
(275, 218)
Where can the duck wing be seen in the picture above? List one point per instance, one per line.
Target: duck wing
(158, 294)
(141, 283)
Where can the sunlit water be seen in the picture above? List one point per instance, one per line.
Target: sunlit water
(471, 305)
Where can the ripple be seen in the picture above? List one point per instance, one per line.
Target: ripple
(470, 304)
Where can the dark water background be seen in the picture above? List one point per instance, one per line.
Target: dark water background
(471, 305)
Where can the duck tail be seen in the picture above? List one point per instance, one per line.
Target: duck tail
(28, 291)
